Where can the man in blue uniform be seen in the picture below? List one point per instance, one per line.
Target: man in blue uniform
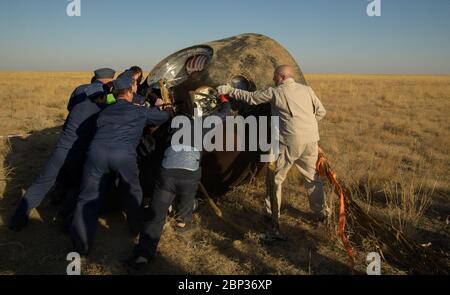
(134, 73)
(179, 177)
(68, 155)
(113, 151)
(101, 76)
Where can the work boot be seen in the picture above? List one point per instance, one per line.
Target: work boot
(183, 228)
(323, 216)
(273, 236)
(139, 263)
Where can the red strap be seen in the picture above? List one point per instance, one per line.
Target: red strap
(324, 169)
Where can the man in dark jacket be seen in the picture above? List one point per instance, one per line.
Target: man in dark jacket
(113, 151)
(101, 76)
(179, 177)
(68, 155)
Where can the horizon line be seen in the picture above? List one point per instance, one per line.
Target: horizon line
(304, 73)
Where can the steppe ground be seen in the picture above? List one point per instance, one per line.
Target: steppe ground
(387, 136)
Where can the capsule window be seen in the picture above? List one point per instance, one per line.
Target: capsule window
(242, 82)
(177, 68)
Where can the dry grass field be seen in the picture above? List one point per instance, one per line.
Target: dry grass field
(387, 136)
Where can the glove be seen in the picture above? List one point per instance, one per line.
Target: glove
(225, 89)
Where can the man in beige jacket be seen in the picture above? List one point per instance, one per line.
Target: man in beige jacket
(299, 110)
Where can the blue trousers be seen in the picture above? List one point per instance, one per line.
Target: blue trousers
(62, 162)
(102, 163)
(183, 185)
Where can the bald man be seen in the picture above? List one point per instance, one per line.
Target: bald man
(299, 111)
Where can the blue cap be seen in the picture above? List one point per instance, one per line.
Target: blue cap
(127, 73)
(96, 89)
(104, 73)
(122, 83)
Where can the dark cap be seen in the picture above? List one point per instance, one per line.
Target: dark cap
(96, 89)
(127, 73)
(122, 83)
(104, 73)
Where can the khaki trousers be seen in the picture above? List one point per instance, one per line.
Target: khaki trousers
(304, 157)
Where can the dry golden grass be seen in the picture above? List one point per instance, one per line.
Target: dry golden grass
(34, 101)
(387, 136)
(382, 130)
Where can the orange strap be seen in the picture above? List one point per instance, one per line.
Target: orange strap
(324, 169)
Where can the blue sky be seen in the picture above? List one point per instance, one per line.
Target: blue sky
(337, 36)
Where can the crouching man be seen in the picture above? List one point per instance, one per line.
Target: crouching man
(113, 152)
(179, 177)
(66, 161)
